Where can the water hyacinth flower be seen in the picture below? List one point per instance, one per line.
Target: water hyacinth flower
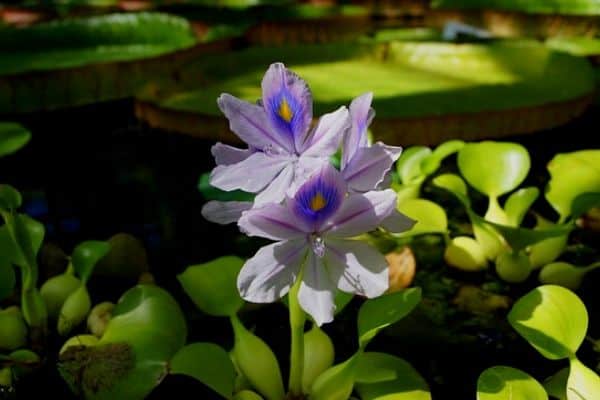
(313, 231)
(283, 149)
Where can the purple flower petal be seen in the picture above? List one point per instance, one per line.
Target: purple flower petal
(317, 291)
(250, 123)
(326, 138)
(288, 104)
(361, 213)
(274, 221)
(361, 115)
(227, 155)
(225, 212)
(305, 167)
(250, 175)
(357, 267)
(269, 275)
(369, 166)
(397, 222)
(276, 190)
(319, 197)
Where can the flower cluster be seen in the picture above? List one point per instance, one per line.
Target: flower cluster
(312, 210)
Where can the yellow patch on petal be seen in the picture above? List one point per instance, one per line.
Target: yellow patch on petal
(285, 112)
(318, 202)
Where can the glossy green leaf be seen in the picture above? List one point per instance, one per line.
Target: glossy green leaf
(10, 198)
(465, 253)
(379, 313)
(571, 175)
(22, 245)
(577, 7)
(12, 137)
(74, 310)
(86, 255)
(562, 274)
(505, 383)
(518, 204)
(446, 149)
(7, 278)
(147, 328)
(212, 286)
(318, 356)
(494, 168)
(212, 193)
(583, 383)
(430, 217)
(513, 266)
(556, 385)
(455, 185)
(208, 363)
(337, 382)
(381, 376)
(552, 319)
(408, 165)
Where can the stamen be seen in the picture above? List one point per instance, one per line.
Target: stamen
(318, 246)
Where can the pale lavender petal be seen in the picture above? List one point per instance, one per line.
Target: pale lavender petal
(357, 267)
(317, 291)
(397, 222)
(273, 221)
(275, 192)
(269, 275)
(361, 213)
(304, 169)
(319, 197)
(250, 175)
(227, 155)
(328, 134)
(250, 123)
(288, 104)
(361, 115)
(369, 166)
(225, 212)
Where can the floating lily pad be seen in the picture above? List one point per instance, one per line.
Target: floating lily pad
(570, 7)
(424, 92)
(80, 60)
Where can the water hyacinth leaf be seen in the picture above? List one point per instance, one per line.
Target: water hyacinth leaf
(382, 376)
(146, 330)
(494, 168)
(208, 363)
(56, 290)
(212, 193)
(318, 356)
(247, 395)
(562, 274)
(337, 382)
(455, 185)
(552, 319)
(12, 137)
(7, 278)
(212, 286)
(520, 238)
(583, 383)
(556, 385)
(583, 7)
(23, 243)
(341, 300)
(572, 174)
(408, 165)
(10, 198)
(430, 217)
(583, 203)
(376, 314)
(86, 255)
(430, 164)
(518, 204)
(501, 383)
(465, 253)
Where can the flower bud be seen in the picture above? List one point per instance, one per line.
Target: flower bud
(257, 362)
(56, 290)
(74, 310)
(13, 331)
(513, 267)
(99, 317)
(402, 267)
(465, 253)
(318, 356)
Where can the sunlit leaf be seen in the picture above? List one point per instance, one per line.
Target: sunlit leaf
(318, 356)
(408, 165)
(430, 217)
(505, 383)
(552, 319)
(583, 383)
(434, 160)
(518, 204)
(455, 185)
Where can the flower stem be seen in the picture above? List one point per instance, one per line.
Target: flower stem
(297, 320)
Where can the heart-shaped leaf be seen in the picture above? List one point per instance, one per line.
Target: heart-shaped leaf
(503, 383)
(86, 255)
(583, 383)
(494, 168)
(518, 204)
(572, 174)
(455, 185)
(10, 198)
(552, 319)
(430, 217)
(376, 314)
(208, 363)
(12, 137)
(408, 165)
(433, 162)
(212, 286)
(382, 376)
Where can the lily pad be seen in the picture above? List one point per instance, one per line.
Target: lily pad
(80, 60)
(427, 91)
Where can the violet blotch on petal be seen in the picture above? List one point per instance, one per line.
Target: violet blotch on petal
(314, 231)
(283, 150)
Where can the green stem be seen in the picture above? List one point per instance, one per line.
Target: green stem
(297, 320)
(495, 213)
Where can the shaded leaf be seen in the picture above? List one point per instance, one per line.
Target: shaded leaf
(504, 383)
(86, 255)
(12, 137)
